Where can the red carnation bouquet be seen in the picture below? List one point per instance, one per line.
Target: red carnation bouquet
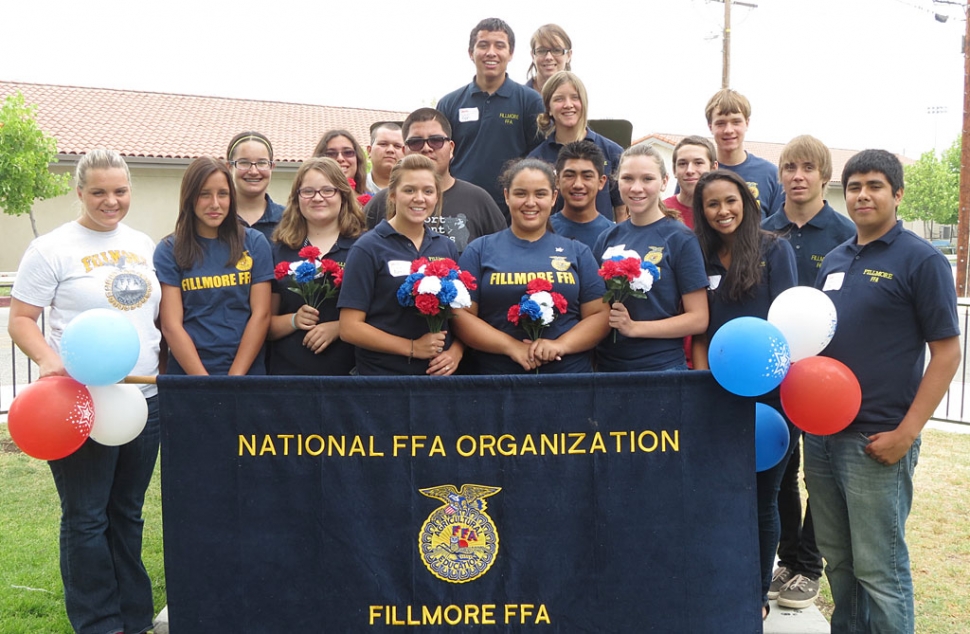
(537, 308)
(313, 278)
(626, 275)
(435, 288)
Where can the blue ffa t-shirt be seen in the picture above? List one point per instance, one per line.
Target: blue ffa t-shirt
(673, 248)
(585, 232)
(608, 197)
(289, 355)
(892, 296)
(489, 130)
(812, 241)
(215, 297)
(762, 179)
(504, 265)
(376, 267)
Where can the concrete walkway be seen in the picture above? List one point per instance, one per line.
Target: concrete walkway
(788, 621)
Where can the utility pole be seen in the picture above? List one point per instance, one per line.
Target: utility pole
(726, 50)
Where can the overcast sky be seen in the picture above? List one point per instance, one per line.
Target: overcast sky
(855, 73)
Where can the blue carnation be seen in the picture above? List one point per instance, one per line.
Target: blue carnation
(650, 266)
(448, 292)
(530, 309)
(404, 293)
(617, 258)
(452, 274)
(305, 272)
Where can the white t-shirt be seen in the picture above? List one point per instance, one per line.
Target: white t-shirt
(73, 269)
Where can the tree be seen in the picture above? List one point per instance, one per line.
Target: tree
(25, 156)
(933, 188)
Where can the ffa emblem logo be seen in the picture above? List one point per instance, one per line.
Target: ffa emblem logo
(245, 263)
(458, 542)
(559, 262)
(654, 255)
(127, 290)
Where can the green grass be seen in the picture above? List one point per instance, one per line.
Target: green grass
(32, 600)
(31, 594)
(5, 291)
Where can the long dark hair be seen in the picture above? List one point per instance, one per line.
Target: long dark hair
(187, 248)
(750, 242)
(360, 176)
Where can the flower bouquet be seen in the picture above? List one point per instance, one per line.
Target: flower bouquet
(536, 310)
(435, 288)
(313, 278)
(626, 275)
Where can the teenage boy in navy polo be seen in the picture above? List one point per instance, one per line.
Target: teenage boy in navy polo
(693, 157)
(894, 294)
(728, 113)
(579, 179)
(813, 229)
(467, 211)
(493, 119)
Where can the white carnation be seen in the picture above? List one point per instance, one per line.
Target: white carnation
(462, 298)
(619, 250)
(429, 285)
(644, 281)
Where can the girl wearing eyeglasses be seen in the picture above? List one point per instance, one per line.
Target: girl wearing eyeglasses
(390, 338)
(551, 52)
(322, 212)
(342, 147)
(564, 121)
(215, 276)
(250, 159)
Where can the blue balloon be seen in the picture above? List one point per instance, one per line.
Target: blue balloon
(749, 356)
(771, 437)
(99, 347)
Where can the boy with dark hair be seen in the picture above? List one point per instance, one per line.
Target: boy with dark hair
(813, 228)
(493, 118)
(728, 113)
(693, 157)
(579, 178)
(895, 295)
(467, 211)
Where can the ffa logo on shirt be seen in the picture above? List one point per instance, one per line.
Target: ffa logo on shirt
(559, 262)
(245, 263)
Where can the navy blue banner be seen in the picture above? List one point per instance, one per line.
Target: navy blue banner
(585, 503)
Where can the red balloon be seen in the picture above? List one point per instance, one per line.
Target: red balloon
(821, 395)
(51, 418)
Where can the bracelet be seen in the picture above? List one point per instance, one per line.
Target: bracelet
(411, 356)
(293, 321)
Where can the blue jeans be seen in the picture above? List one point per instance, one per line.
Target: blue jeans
(860, 507)
(769, 523)
(102, 490)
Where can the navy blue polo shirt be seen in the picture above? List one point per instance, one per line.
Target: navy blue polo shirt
(289, 355)
(376, 267)
(812, 241)
(892, 295)
(609, 196)
(762, 179)
(778, 275)
(271, 217)
(489, 130)
(505, 264)
(585, 232)
(673, 248)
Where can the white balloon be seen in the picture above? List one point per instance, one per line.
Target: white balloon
(120, 413)
(807, 318)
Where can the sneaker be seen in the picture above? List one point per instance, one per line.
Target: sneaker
(779, 577)
(799, 592)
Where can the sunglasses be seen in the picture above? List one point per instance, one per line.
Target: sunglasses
(347, 153)
(416, 144)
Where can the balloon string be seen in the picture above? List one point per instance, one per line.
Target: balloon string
(140, 380)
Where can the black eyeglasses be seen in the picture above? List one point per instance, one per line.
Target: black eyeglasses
(556, 52)
(308, 193)
(416, 144)
(245, 164)
(347, 153)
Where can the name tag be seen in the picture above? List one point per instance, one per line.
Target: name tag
(467, 114)
(713, 281)
(833, 281)
(399, 268)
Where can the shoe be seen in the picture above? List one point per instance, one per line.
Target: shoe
(798, 593)
(779, 577)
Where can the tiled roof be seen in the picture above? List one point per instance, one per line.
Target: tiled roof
(165, 126)
(769, 151)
